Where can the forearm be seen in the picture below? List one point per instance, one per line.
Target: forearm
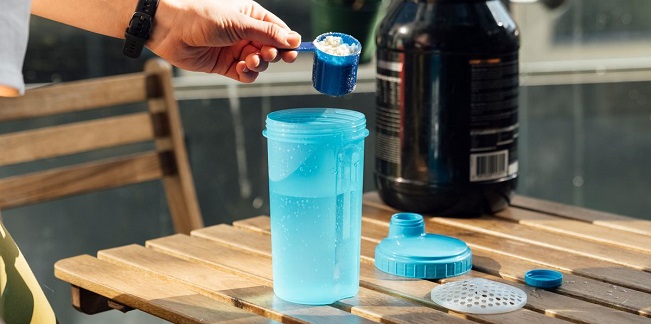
(235, 38)
(106, 17)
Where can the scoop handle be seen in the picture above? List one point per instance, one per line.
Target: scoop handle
(303, 47)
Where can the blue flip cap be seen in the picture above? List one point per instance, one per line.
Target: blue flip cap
(543, 278)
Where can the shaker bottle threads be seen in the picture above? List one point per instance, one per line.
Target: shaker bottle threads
(447, 101)
(316, 158)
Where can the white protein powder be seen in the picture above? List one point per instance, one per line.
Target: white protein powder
(334, 46)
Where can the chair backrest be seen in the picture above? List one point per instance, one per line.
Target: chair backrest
(158, 123)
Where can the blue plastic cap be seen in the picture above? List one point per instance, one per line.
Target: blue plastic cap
(543, 278)
(410, 252)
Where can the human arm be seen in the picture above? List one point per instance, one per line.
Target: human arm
(235, 38)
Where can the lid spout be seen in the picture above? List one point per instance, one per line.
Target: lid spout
(406, 224)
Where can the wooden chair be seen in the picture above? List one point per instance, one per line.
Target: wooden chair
(158, 124)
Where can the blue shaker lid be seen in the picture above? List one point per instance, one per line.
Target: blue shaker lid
(410, 252)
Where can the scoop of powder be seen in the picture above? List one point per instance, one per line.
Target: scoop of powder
(333, 45)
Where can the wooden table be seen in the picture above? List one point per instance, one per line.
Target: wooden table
(222, 273)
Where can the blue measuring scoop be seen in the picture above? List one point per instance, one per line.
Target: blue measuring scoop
(333, 75)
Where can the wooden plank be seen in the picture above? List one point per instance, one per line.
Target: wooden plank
(249, 241)
(228, 288)
(539, 300)
(605, 219)
(619, 222)
(259, 224)
(369, 304)
(77, 96)
(608, 235)
(179, 186)
(60, 182)
(577, 286)
(566, 243)
(91, 303)
(184, 209)
(545, 256)
(74, 138)
(161, 298)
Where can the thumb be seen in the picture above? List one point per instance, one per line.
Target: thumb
(268, 33)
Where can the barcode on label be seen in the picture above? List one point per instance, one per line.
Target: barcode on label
(489, 166)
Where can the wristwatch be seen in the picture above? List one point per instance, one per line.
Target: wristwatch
(139, 28)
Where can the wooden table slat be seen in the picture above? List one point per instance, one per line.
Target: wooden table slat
(605, 219)
(368, 303)
(619, 222)
(228, 288)
(545, 256)
(588, 231)
(165, 299)
(223, 273)
(539, 300)
(499, 227)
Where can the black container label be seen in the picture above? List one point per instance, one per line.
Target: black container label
(446, 118)
(493, 118)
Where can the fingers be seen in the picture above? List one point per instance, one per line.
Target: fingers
(268, 33)
(259, 61)
(244, 74)
(271, 54)
(254, 62)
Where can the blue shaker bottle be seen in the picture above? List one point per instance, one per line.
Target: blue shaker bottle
(316, 159)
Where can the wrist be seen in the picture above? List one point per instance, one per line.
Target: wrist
(164, 18)
(140, 27)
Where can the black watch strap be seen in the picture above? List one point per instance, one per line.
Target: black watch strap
(140, 27)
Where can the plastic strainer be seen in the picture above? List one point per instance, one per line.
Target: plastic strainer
(479, 296)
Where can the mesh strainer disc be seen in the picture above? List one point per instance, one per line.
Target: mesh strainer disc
(479, 296)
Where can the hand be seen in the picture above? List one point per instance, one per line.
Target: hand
(234, 38)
